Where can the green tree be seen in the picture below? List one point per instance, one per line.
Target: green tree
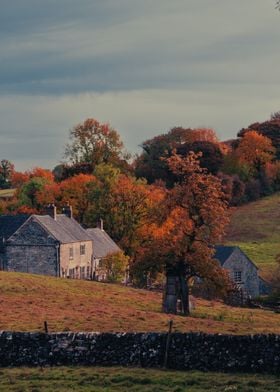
(6, 172)
(28, 194)
(115, 266)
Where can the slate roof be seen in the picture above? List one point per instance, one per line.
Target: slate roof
(63, 229)
(9, 224)
(223, 253)
(103, 245)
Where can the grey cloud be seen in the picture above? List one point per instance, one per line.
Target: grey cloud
(144, 66)
(103, 46)
(36, 130)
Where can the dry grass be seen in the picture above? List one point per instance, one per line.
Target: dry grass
(27, 300)
(7, 192)
(255, 227)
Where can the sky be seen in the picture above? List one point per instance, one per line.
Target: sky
(143, 66)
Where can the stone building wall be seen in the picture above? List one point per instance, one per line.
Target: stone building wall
(32, 259)
(31, 249)
(250, 280)
(73, 264)
(190, 351)
(31, 232)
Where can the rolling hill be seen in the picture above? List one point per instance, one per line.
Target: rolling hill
(26, 301)
(255, 227)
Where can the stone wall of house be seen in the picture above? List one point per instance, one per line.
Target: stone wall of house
(259, 353)
(250, 280)
(31, 232)
(31, 250)
(32, 259)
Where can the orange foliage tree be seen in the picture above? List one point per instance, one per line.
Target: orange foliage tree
(193, 218)
(93, 142)
(74, 190)
(18, 179)
(124, 203)
(255, 150)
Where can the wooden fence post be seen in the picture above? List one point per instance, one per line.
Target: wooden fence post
(46, 327)
(170, 325)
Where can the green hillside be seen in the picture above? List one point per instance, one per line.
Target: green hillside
(28, 300)
(97, 379)
(255, 227)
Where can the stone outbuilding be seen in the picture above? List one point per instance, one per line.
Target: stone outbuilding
(241, 268)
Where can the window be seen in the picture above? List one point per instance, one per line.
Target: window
(82, 249)
(237, 276)
(88, 272)
(71, 253)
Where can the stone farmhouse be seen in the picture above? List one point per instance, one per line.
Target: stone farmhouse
(242, 270)
(52, 244)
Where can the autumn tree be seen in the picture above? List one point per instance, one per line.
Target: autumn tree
(92, 142)
(275, 115)
(212, 158)
(195, 217)
(123, 202)
(255, 150)
(269, 128)
(29, 191)
(74, 191)
(18, 179)
(152, 165)
(39, 172)
(31, 183)
(233, 188)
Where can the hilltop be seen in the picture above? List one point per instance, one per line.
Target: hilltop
(28, 300)
(255, 227)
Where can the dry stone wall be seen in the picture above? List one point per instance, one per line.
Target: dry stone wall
(258, 353)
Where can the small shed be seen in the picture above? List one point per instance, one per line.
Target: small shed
(241, 268)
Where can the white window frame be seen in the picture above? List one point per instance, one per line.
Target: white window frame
(237, 276)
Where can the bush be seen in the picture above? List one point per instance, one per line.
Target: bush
(115, 266)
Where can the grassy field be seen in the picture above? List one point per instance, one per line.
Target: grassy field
(26, 301)
(7, 193)
(133, 380)
(255, 227)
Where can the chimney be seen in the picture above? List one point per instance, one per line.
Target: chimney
(100, 224)
(67, 210)
(51, 210)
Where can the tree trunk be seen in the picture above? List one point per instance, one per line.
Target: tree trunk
(176, 294)
(185, 300)
(170, 295)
